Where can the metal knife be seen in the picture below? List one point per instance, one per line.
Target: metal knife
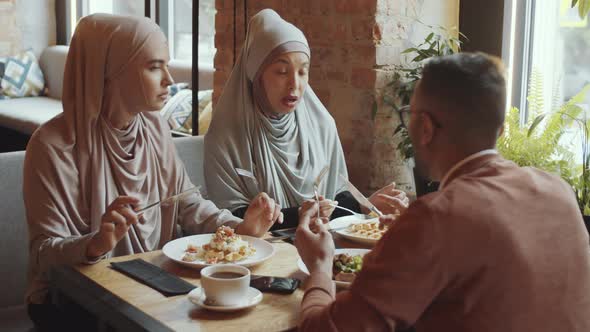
(360, 197)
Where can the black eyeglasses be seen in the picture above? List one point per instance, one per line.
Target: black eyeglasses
(405, 114)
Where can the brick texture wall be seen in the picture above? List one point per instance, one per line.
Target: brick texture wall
(354, 44)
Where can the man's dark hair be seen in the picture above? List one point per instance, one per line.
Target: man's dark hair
(471, 89)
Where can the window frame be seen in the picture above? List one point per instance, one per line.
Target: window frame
(517, 54)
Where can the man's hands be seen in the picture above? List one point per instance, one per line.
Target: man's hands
(390, 200)
(115, 223)
(313, 241)
(260, 216)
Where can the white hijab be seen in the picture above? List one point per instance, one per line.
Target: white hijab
(285, 154)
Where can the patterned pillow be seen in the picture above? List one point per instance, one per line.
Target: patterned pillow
(178, 111)
(22, 76)
(178, 108)
(2, 65)
(174, 88)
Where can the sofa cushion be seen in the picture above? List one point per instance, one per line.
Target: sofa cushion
(178, 109)
(53, 63)
(22, 76)
(176, 87)
(2, 66)
(26, 114)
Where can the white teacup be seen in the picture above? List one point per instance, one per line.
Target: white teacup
(225, 284)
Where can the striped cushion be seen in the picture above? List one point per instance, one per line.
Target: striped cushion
(178, 109)
(2, 65)
(22, 76)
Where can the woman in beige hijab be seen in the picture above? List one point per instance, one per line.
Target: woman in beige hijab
(109, 153)
(269, 122)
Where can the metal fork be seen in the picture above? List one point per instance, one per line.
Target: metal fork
(316, 185)
(356, 214)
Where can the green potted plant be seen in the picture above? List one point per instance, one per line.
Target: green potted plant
(583, 7)
(538, 143)
(439, 42)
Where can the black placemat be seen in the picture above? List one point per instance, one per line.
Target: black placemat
(153, 276)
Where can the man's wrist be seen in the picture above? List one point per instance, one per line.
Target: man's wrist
(321, 267)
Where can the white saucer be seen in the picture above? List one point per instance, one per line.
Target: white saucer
(197, 296)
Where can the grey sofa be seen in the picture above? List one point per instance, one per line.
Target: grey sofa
(13, 229)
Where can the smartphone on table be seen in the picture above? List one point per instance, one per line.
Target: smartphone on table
(274, 284)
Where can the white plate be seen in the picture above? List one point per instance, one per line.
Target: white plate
(197, 296)
(350, 251)
(342, 223)
(175, 249)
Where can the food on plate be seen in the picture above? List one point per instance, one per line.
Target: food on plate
(373, 214)
(225, 246)
(345, 267)
(369, 230)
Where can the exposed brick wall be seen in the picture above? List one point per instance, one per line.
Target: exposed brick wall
(354, 44)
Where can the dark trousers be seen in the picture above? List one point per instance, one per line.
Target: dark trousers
(67, 316)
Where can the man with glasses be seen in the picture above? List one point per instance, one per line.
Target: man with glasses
(498, 248)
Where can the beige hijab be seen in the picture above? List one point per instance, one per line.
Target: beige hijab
(284, 154)
(77, 163)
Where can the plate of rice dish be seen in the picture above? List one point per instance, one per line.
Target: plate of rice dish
(361, 231)
(225, 246)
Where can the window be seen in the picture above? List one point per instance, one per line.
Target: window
(206, 33)
(75, 9)
(176, 21)
(174, 17)
(549, 58)
(546, 46)
(120, 7)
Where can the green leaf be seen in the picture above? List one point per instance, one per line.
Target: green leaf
(419, 58)
(535, 123)
(574, 3)
(583, 8)
(409, 50)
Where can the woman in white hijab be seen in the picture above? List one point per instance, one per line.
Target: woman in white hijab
(269, 122)
(109, 153)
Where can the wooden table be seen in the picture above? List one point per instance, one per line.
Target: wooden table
(127, 305)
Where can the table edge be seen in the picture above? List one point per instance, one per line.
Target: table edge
(110, 308)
